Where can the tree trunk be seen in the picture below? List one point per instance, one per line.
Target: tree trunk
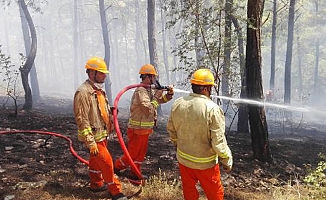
(151, 33)
(227, 49)
(76, 42)
(199, 39)
(116, 58)
(317, 55)
(138, 38)
(288, 60)
(273, 47)
(165, 56)
(152, 40)
(27, 42)
(26, 68)
(243, 118)
(299, 67)
(316, 82)
(105, 34)
(257, 118)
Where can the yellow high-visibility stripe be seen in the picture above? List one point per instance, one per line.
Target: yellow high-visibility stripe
(100, 135)
(85, 132)
(155, 103)
(223, 155)
(196, 159)
(97, 136)
(141, 124)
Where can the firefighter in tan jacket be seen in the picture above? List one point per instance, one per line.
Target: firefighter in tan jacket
(94, 122)
(144, 103)
(196, 126)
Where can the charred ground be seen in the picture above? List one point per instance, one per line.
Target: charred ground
(45, 163)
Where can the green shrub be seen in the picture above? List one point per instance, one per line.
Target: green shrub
(316, 177)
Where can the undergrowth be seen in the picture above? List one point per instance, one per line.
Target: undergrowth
(316, 179)
(160, 188)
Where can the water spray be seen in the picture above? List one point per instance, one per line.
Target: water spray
(261, 103)
(160, 87)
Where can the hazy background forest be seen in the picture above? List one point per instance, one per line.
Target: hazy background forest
(269, 53)
(187, 34)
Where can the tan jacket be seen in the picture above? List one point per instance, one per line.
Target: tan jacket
(143, 108)
(196, 126)
(91, 126)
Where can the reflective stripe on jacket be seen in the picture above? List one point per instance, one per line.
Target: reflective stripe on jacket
(91, 126)
(143, 108)
(197, 126)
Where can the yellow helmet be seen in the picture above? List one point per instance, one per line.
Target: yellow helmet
(202, 77)
(148, 69)
(97, 64)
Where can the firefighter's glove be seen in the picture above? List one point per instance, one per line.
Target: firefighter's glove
(226, 163)
(93, 150)
(113, 108)
(155, 122)
(171, 90)
(227, 168)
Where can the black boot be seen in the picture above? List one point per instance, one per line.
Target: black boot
(119, 196)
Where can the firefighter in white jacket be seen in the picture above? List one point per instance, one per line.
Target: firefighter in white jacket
(197, 127)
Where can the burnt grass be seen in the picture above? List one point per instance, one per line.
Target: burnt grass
(35, 158)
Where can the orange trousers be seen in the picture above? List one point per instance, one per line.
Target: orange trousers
(101, 170)
(209, 179)
(137, 148)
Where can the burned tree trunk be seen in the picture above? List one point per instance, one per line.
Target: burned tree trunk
(26, 68)
(257, 118)
(243, 126)
(27, 42)
(288, 60)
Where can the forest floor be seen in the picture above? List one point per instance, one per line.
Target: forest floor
(34, 166)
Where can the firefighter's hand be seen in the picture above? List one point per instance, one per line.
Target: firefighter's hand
(171, 90)
(112, 108)
(93, 150)
(158, 94)
(227, 169)
(155, 122)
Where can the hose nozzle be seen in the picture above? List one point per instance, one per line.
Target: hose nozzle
(161, 87)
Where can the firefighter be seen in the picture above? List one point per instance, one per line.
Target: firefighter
(94, 122)
(143, 113)
(196, 126)
(269, 96)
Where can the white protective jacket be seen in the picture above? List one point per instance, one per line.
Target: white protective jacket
(197, 127)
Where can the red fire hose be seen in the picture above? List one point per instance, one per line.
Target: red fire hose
(117, 128)
(116, 125)
(73, 152)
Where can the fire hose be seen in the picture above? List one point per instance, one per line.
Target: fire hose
(117, 129)
(116, 122)
(73, 152)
